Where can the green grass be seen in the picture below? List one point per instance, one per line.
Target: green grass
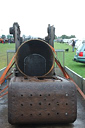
(3, 53)
(75, 66)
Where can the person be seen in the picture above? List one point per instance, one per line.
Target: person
(73, 45)
(4, 41)
(9, 41)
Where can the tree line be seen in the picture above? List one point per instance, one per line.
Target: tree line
(65, 37)
(6, 37)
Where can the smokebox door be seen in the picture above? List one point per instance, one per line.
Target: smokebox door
(35, 65)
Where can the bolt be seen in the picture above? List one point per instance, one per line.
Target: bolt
(66, 114)
(66, 94)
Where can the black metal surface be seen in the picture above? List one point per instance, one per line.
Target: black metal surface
(34, 101)
(35, 65)
(35, 58)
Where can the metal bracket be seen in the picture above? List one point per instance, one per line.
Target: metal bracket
(15, 30)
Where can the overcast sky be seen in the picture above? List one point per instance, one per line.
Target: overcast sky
(33, 16)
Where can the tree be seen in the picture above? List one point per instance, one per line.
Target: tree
(55, 37)
(67, 37)
(64, 37)
(3, 36)
(9, 36)
(23, 37)
(72, 36)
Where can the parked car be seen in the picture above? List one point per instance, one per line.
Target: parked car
(80, 53)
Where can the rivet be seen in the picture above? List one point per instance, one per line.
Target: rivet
(30, 94)
(21, 104)
(66, 113)
(57, 103)
(40, 114)
(48, 114)
(66, 94)
(39, 103)
(49, 104)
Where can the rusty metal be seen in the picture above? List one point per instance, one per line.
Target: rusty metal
(44, 98)
(35, 58)
(51, 35)
(34, 101)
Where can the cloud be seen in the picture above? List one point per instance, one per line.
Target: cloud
(34, 16)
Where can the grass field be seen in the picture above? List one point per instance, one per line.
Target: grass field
(3, 53)
(75, 66)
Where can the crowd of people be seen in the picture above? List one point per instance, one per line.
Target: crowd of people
(5, 41)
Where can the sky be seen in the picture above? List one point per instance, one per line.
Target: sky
(33, 16)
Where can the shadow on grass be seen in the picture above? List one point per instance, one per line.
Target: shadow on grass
(79, 65)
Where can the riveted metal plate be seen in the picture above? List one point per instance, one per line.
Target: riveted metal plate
(41, 101)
